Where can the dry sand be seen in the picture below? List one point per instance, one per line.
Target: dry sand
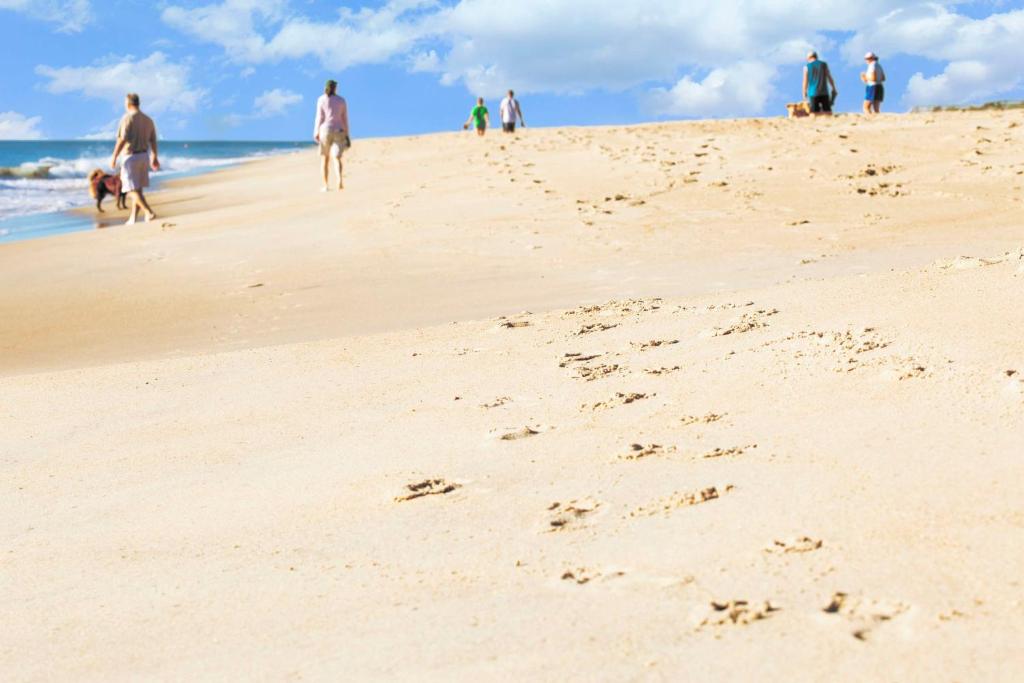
(737, 400)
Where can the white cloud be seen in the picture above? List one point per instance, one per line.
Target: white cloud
(659, 46)
(15, 126)
(740, 89)
(71, 15)
(233, 24)
(163, 85)
(274, 103)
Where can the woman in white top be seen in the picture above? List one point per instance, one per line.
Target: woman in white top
(873, 78)
(331, 131)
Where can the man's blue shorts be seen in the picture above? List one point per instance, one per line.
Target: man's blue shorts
(874, 93)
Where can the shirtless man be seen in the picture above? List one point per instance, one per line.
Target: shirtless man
(136, 136)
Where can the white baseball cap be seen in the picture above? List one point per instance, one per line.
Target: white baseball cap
(870, 55)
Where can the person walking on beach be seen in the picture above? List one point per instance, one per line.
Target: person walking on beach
(874, 79)
(510, 111)
(331, 131)
(817, 79)
(136, 137)
(478, 117)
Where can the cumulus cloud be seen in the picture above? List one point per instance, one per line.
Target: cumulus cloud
(691, 58)
(163, 85)
(740, 89)
(15, 126)
(71, 16)
(274, 103)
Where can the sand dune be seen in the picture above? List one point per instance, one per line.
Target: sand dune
(716, 402)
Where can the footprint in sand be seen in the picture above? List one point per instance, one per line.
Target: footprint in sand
(734, 613)
(581, 576)
(498, 402)
(703, 419)
(590, 373)
(576, 357)
(516, 435)
(728, 452)
(639, 451)
(746, 323)
(563, 517)
(662, 370)
(681, 500)
(620, 399)
(798, 544)
(654, 343)
(595, 327)
(428, 487)
(864, 614)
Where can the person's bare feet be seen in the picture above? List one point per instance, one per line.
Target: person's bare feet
(131, 219)
(150, 217)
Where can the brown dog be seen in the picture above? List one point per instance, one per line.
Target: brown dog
(101, 184)
(798, 110)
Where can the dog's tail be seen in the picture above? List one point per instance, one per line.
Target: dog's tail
(94, 178)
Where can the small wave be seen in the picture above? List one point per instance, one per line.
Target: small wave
(48, 168)
(53, 184)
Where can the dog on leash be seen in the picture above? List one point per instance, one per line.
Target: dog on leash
(101, 184)
(798, 110)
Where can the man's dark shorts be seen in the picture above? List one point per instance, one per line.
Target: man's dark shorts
(821, 104)
(509, 127)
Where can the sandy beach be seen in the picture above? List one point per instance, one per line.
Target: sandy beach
(732, 400)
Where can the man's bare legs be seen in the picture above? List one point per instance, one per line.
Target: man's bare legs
(138, 199)
(341, 180)
(326, 168)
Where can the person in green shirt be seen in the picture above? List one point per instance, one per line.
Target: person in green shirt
(478, 117)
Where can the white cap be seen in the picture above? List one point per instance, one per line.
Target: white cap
(870, 55)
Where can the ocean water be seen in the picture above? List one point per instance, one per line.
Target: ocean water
(41, 179)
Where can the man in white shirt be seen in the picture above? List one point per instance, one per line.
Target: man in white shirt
(510, 112)
(874, 78)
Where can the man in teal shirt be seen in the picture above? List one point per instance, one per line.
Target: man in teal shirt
(817, 79)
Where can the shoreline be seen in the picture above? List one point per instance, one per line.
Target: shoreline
(84, 217)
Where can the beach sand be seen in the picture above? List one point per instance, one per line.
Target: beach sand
(739, 400)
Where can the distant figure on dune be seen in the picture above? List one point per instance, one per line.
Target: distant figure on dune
(478, 117)
(136, 136)
(874, 78)
(331, 131)
(510, 111)
(817, 79)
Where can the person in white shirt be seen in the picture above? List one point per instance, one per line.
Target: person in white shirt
(330, 130)
(874, 78)
(510, 112)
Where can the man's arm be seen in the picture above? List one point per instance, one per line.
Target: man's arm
(319, 120)
(344, 118)
(828, 72)
(117, 151)
(805, 83)
(519, 110)
(155, 163)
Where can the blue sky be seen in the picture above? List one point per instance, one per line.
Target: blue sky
(252, 69)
